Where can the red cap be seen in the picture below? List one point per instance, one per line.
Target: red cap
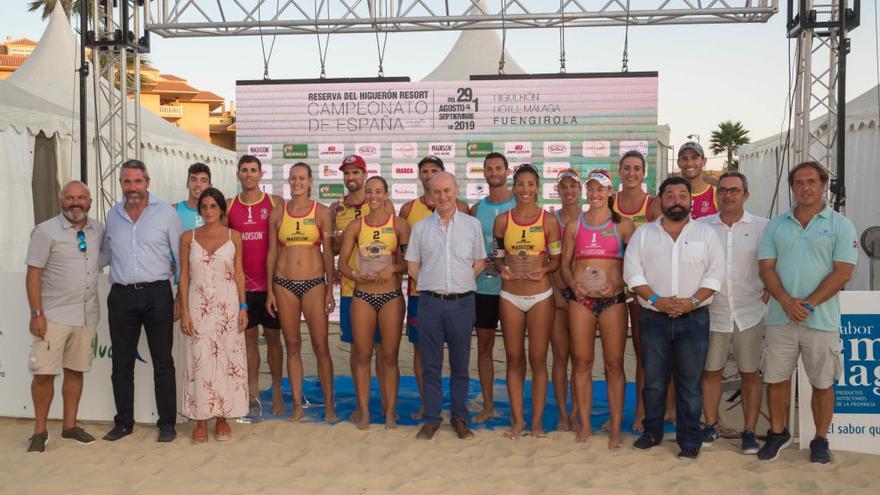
(355, 160)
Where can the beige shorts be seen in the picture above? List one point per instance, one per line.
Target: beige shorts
(747, 346)
(820, 351)
(63, 346)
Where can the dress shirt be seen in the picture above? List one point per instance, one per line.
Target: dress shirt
(739, 300)
(447, 254)
(69, 281)
(142, 251)
(674, 268)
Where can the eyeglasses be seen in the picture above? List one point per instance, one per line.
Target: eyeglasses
(81, 237)
(733, 191)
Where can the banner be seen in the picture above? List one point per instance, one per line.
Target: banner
(856, 424)
(579, 121)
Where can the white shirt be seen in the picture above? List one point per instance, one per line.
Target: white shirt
(674, 268)
(447, 254)
(739, 300)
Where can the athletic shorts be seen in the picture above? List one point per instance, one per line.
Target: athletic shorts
(345, 322)
(487, 311)
(747, 346)
(257, 314)
(412, 313)
(63, 346)
(820, 351)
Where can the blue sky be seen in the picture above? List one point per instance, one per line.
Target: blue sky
(707, 73)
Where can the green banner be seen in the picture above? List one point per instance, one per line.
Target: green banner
(296, 151)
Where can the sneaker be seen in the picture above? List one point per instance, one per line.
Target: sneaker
(774, 444)
(38, 442)
(749, 443)
(710, 434)
(819, 451)
(117, 432)
(78, 434)
(645, 442)
(166, 435)
(689, 453)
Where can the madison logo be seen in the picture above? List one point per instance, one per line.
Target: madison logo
(261, 151)
(475, 149)
(443, 150)
(296, 151)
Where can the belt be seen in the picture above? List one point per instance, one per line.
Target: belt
(445, 297)
(141, 285)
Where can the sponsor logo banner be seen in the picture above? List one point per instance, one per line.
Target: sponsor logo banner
(857, 390)
(557, 149)
(330, 171)
(331, 151)
(550, 192)
(477, 191)
(261, 151)
(295, 151)
(478, 149)
(596, 149)
(552, 207)
(404, 192)
(640, 146)
(404, 151)
(373, 169)
(552, 169)
(404, 171)
(368, 150)
(474, 170)
(331, 191)
(267, 172)
(518, 149)
(442, 150)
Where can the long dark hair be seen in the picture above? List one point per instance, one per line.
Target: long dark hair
(380, 179)
(526, 168)
(214, 193)
(615, 217)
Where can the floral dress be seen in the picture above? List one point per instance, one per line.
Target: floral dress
(215, 377)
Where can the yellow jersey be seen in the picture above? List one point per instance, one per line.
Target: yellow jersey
(345, 214)
(300, 231)
(639, 217)
(525, 239)
(377, 240)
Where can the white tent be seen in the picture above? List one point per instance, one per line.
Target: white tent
(39, 123)
(761, 162)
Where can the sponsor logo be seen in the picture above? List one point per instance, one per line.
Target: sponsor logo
(330, 171)
(640, 146)
(442, 150)
(266, 188)
(560, 149)
(387, 230)
(330, 151)
(550, 192)
(518, 149)
(404, 191)
(368, 150)
(261, 151)
(252, 236)
(264, 214)
(477, 191)
(478, 149)
(474, 170)
(404, 171)
(331, 191)
(267, 172)
(295, 151)
(595, 149)
(373, 169)
(404, 151)
(551, 170)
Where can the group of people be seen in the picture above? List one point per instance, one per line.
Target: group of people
(699, 272)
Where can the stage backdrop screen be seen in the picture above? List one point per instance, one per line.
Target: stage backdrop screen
(583, 121)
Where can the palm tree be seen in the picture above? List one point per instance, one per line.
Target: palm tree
(48, 6)
(727, 139)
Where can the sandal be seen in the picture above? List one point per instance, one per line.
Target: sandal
(222, 431)
(200, 434)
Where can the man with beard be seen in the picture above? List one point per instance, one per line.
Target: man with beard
(141, 242)
(691, 162)
(198, 178)
(674, 265)
(62, 289)
(499, 200)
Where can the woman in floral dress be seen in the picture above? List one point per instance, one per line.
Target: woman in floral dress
(213, 317)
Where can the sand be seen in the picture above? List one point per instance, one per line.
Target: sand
(283, 457)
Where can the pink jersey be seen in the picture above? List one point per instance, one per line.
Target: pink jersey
(597, 242)
(252, 220)
(703, 204)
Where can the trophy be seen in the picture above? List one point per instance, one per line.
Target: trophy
(593, 278)
(520, 265)
(372, 259)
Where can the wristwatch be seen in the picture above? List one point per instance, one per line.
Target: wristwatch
(36, 312)
(695, 302)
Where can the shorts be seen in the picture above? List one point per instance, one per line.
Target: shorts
(487, 311)
(412, 313)
(257, 314)
(345, 322)
(747, 346)
(63, 346)
(820, 351)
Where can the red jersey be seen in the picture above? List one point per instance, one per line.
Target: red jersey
(252, 220)
(703, 204)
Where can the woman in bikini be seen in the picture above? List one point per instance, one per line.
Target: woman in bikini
(380, 240)
(299, 264)
(592, 266)
(634, 203)
(528, 251)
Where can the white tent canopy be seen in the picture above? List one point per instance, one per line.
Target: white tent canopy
(39, 122)
(761, 162)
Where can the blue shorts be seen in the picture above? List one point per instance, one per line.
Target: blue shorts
(345, 322)
(412, 313)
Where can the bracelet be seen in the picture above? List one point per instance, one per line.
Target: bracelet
(809, 307)
(653, 299)
(243, 306)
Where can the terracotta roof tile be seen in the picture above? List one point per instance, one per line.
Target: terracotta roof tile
(174, 87)
(207, 96)
(12, 61)
(219, 129)
(22, 41)
(171, 77)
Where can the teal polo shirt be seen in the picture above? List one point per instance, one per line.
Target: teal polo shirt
(804, 257)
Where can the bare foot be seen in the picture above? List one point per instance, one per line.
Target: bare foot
(330, 416)
(297, 414)
(391, 423)
(485, 415)
(363, 423)
(606, 426)
(418, 414)
(278, 405)
(614, 441)
(583, 434)
(538, 432)
(355, 416)
(516, 430)
(564, 423)
(637, 424)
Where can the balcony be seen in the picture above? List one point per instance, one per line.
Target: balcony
(170, 111)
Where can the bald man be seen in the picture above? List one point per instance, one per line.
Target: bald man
(62, 289)
(445, 255)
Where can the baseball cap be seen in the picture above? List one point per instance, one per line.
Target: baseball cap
(355, 160)
(691, 145)
(569, 172)
(602, 177)
(432, 159)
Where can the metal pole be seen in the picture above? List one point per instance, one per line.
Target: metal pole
(83, 104)
(842, 50)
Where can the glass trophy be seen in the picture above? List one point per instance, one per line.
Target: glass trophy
(521, 265)
(255, 412)
(593, 278)
(369, 265)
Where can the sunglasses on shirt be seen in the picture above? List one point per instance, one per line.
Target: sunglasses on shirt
(81, 237)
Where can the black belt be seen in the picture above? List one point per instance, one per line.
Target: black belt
(141, 285)
(445, 297)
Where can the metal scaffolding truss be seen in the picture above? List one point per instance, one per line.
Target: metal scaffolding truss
(195, 18)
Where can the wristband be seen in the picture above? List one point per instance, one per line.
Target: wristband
(653, 299)
(809, 307)
(243, 306)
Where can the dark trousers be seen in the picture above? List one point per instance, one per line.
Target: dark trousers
(676, 345)
(153, 308)
(452, 322)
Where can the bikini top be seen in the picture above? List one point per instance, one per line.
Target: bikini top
(602, 242)
(300, 231)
